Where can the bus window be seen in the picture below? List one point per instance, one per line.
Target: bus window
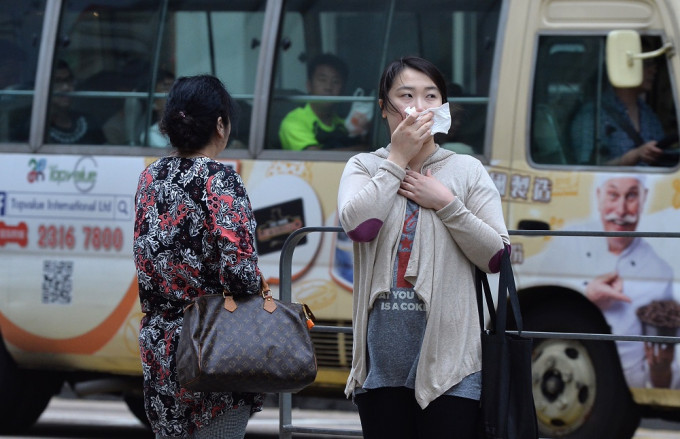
(20, 33)
(572, 97)
(122, 57)
(102, 58)
(224, 42)
(356, 39)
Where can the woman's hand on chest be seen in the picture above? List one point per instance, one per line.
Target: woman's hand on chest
(425, 190)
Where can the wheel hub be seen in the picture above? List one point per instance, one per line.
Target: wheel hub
(564, 385)
(552, 385)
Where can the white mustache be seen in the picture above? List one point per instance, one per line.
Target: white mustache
(621, 220)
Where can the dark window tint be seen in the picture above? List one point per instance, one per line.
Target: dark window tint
(20, 33)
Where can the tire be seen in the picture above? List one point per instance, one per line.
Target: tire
(25, 394)
(579, 389)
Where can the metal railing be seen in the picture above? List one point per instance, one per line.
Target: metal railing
(286, 426)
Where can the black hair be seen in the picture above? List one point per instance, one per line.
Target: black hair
(394, 69)
(194, 104)
(61, 64)
(328, 59)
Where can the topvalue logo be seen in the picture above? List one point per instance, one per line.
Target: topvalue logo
(83, 175)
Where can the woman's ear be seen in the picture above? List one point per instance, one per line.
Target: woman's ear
(220, 126)
(223, 129)
(382, 108)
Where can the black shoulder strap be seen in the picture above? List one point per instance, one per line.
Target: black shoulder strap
(483, 290)
(506, 290)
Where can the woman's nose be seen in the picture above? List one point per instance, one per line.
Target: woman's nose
(420, 104)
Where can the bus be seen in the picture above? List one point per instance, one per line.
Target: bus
(82, 83)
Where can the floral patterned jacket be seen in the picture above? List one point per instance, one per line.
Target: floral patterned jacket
(194, 235)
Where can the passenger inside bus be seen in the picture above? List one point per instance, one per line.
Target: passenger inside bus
(153, 136)
(317, 125)
(66, 125)
(629, 128)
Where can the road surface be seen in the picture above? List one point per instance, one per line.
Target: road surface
(67, 418)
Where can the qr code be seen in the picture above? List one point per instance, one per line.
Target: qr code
(57, 284)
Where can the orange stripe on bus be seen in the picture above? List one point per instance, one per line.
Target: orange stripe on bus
(87, 343)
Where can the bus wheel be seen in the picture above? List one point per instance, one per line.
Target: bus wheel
(25, 394)
(577, 390)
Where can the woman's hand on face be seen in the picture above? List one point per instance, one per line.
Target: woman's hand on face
(409, 136)
(425, 190)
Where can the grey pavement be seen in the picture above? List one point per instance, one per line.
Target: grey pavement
(74, 418)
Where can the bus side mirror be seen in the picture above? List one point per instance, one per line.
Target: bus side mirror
(624, 70)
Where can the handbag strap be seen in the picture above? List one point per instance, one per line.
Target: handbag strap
(264, 286)
(482, 286)
(506, 290)
(269, 304)
(507, 285)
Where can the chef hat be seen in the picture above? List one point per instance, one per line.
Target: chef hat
(604, 177)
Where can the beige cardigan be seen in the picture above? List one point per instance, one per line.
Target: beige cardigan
(469, 230)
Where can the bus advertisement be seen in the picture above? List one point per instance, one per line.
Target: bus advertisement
(572, 106)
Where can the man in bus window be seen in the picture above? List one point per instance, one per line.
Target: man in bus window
(629, 128)
(65, 124)
(317, 125)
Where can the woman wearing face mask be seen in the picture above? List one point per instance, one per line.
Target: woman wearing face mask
(421, 217)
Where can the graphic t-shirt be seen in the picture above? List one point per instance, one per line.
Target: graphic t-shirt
(396, 326)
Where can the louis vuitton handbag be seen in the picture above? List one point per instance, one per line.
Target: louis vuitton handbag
(246, 344)
(508, 410)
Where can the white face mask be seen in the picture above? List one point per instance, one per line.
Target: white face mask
(441, 120)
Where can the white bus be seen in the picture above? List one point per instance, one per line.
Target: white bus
(530, 78)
